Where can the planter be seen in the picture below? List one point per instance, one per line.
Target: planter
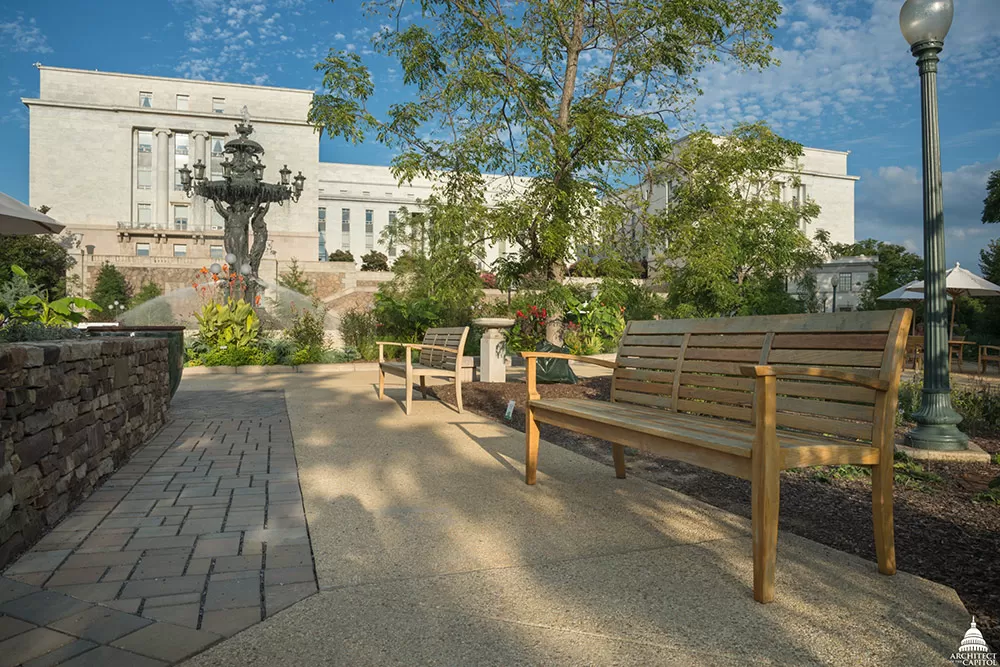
(175, 344)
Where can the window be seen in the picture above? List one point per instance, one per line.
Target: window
(181, 217)
(218, 222)
(144, 160)
(345, 228)
(218, 153)
(369, 229)
(182, 144)
(216, 252)
(218, 105)
(321, 226)
(183, 102)
(844, 282)
(142, 250)
(180, 250)
(146, 99)
(144, 213)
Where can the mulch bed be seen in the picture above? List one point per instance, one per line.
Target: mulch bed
(941, 534)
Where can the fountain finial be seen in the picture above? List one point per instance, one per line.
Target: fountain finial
(245, 113)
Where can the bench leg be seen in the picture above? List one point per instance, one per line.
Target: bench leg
(618, 452)
(458, 393)
(423, 387)
(885, 547)
(381, 383)
(765, 488)
(531, 446)
(409, 392)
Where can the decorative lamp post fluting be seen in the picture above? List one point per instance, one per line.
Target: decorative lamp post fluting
(242, 198)
(924, 24)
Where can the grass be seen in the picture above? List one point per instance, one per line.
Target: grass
(908, 474)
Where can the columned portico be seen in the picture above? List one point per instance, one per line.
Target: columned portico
(161, 208)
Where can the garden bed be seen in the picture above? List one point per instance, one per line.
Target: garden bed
(941, 533)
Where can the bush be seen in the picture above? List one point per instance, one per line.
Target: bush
(528, 330)
(307, 329)
(147, 292)
(295, 279)
(236, 356)
(374, 261)
(979, 406)
(41, 256)
(25, 332)
(340, 256)
(358, 327)
(109, 287)
(230, 324)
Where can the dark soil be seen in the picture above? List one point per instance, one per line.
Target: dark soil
(941, 534)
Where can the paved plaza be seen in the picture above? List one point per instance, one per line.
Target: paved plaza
(428, 548)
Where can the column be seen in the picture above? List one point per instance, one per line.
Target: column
(161, 208)
(199, 212)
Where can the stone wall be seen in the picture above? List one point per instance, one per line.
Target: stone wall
(71, 412)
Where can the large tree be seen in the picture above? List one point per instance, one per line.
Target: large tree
(578, 94)
(896, 266)
(730, 241)
(43, 258)
(991, 205)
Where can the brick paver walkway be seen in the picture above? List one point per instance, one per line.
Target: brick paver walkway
(199, 536)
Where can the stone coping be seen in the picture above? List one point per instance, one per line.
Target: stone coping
(348, 367)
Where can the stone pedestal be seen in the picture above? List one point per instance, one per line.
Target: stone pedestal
(492, 351)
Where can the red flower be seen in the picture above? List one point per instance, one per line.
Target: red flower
(194, 285)
(545, 313)
(257, 300)
(520, 314)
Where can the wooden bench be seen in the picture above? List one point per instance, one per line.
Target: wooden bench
(750, 396)
(439, 352)
(988, 354)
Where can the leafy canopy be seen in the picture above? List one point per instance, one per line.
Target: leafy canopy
(41, 256)
(110, 286)
(730, 242)
(991, 205)
(295, 279)
(577, 95)
(896, 267)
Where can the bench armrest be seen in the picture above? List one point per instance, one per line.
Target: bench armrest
(989, 349)
(808, 371)
(572, 357)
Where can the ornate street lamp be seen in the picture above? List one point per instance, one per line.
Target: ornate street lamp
(242, 198)
(924, 24)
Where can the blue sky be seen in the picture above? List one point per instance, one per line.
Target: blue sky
(846, 82)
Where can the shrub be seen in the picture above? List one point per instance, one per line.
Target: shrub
(358, 327)
(374, 261)
(295, 279)
(41, 256)
(340, 256)
(236, 356)
(109, 287)
(979, 405)
(230, 324)
(147, 292)
(528, 330)
(24, 332)
(600, 326)
(307, 329)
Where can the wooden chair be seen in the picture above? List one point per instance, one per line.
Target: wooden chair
(749, 397)
(915, 351)
(988, 354)
(439, 356)
(955, 351)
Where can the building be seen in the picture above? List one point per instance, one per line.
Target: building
(105, 150)
(849, 274)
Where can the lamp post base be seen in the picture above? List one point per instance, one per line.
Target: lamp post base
(937, 425)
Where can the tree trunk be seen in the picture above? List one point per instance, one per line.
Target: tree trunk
(554, 322)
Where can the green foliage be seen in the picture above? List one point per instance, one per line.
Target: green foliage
(374, 261)
(358, 328)
(492, 95)
(23, 332)
(307, 334)
(979, 406)
(340, 256)
(638, 301)
(232, 324)
(896, 267)
(769, 296)
(808, 294)
(990, 496)
(595, 326)
(237, 356)
(911, 475)
(295, 279)
(147, 292)
(109, 287)
(528, 330)
(41, 256)
(728, 235)
(848, 472)
(32, 304)
(991, 205)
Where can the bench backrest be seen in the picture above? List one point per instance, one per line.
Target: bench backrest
(453, 337)
(693, 366)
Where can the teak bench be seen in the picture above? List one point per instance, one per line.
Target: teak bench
(750, 396)
(439, 355)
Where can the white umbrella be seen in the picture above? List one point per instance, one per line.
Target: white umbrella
(960, 282)
(18, 219)
(903, 293)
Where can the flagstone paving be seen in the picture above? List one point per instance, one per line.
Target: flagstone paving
(199, 536)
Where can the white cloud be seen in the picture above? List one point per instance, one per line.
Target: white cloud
(23, 37)
(890, 208)
(339, 36)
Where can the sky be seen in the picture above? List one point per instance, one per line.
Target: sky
(846, 82)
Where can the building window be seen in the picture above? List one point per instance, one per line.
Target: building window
(180, 250)
(844, 282)
(144, 214)
(144, 160)
(218, 222)
(182, 143)
(142, 250)
(216, 251)
(181, 217)
(369, 229)
(218, 153)
(183, 102)
(146, 99)
(345, 228)
(218, 105)
(321, 226)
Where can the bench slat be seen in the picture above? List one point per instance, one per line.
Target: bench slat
(849, 322)
(718, 381)
(747, 355)
(829, 390)
(853, 430)
(716, 395)
(829, 341)
(656, 352)
(856, 358)
(649, 376)
(860, 413)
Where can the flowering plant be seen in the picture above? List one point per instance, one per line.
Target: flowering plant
(528, 330)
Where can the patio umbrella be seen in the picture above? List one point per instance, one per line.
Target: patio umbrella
(905, 293)
(960, 282)
(18, 219)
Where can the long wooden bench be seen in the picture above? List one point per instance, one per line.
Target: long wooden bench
(750, 396)
(439, 355)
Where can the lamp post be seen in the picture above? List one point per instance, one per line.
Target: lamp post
(833, 283)
(924, 24)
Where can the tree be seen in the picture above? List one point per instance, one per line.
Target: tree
(41, 256)
(989, 261)
(295, 279)
(374, 261)
(110, 286)
(577, 95)
(340, 256)
(727, 234)
(896, 267)
(991, 205)
(147, 292)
